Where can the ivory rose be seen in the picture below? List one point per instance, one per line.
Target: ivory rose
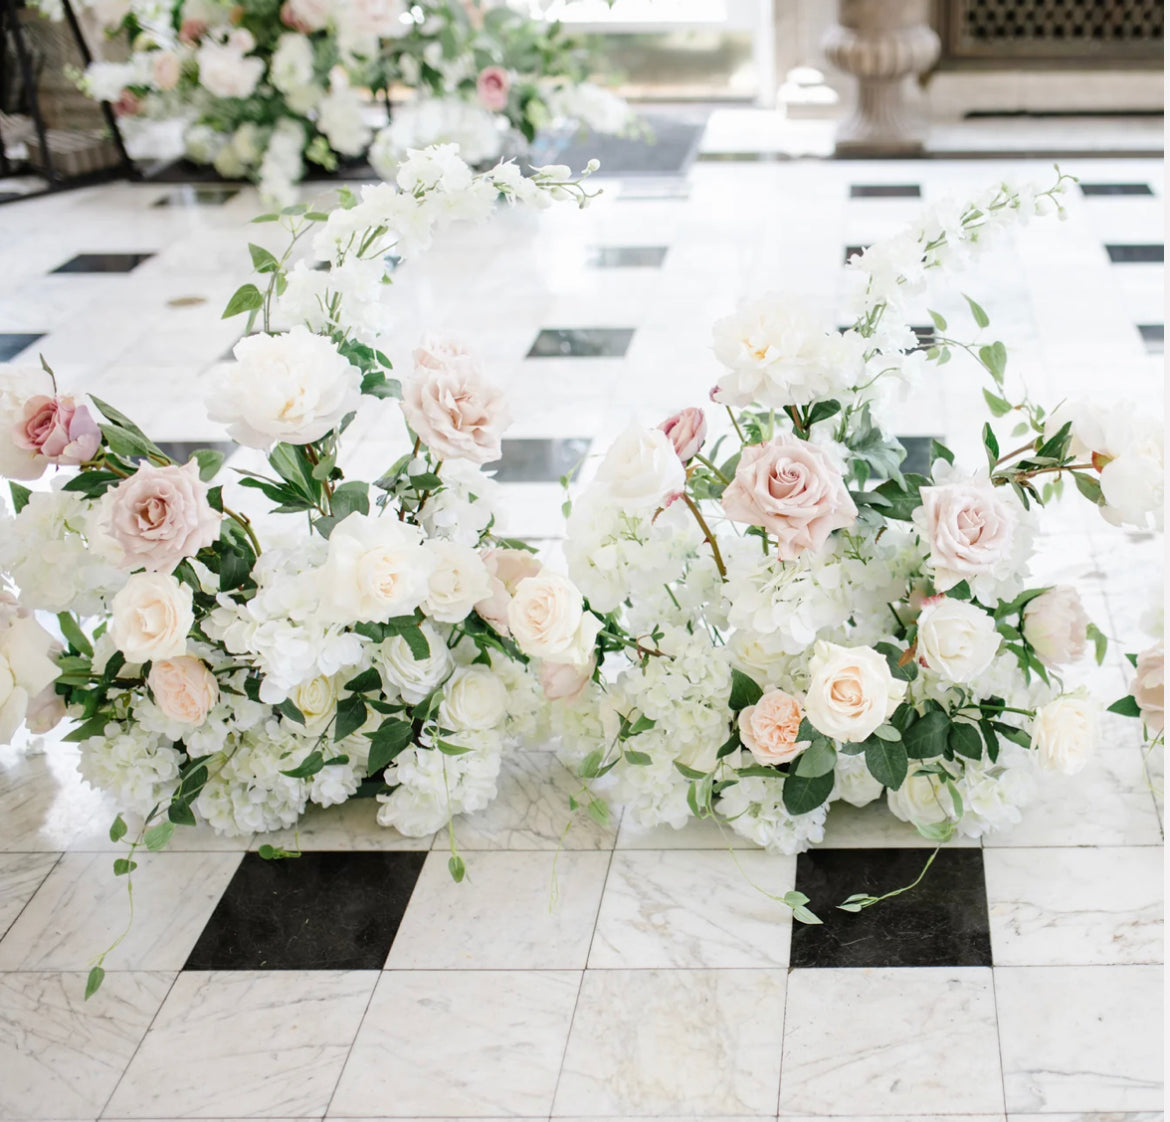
(1064, 732)
(27, 670)
(451, 406)
(548, 620)
(160, 515)
(458, 580)
(1149, 685)
(769, 729)
(413, 677)
(317, 701)
(506, 568)
(851, 691)
(184, 689)
(1056, 625)
(956, 640)
(224, 71)
(687, 430)
(57, 429)
(641, 470)
(563, 681)
(151, 616)
(970, 530)
(491, 87)
(793, 490)
(474, 699)
(920, 801)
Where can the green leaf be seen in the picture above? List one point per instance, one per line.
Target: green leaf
(1126, 706)
(180, 813)
(73, 633)
(450, 749)
(289, 709)
(246, 298)
(641, 759)
(902, 500)
(940, 451)
(309, 766)
(744, 691)
(351, 497)
(927, 736)
(939, 323)
(123, 866)
(210, 460)
(822, 411)
(598, 811)
(998, 406)
(351, 715)
(804, 793)
(456, 868)
(386, 742)
(960, 591)
(994, 357)
(366, 681)
(158, 836)
(818, 759)
(1100, 642)
(20, 496)
(94, 982)
(980, 316)
(903, 671)
(797, 901)
(964, 740)
(689, 772)
(1089, 487)
(262, 260)
(117, 829)
(990, 443)
(886, 760)
(936, 831)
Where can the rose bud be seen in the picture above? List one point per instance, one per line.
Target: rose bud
(687, 431)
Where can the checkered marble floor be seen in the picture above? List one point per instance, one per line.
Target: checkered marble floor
(606, 972)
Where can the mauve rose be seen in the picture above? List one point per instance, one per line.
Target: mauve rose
(506, 568)
(58, 429)
(161, 515)
(1149, 687)
(491, 87)
(769, 729)
(793, 490)
(970, 529)
(687, 430)
(564, 681)
(184, 689)
(1056, 625)
(451, 406)
(128, 104)
(192, 30)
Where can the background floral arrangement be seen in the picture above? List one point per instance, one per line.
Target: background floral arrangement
(235, 667)
(785, 618)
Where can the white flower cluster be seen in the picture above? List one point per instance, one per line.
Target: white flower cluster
(473, 130)
(754, 808)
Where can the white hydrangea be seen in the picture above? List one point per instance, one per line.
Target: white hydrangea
(430, 787)
(360, 312)
(593, 106)
(854, 783)
(755, 810)
(469, 502)
(340, 118)
(137, 766)
(653, 794)
(994, 794)
(473, 130)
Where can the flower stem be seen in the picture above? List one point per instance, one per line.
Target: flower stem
(694, 509)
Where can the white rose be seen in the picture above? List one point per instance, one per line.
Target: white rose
(548, 620)
(312, 14)
(956, 640)
(920, 800)
(293, 387)
(1064, 732)
(151, 617)
(458, 581)
(317, 701)
(26, 670)
(225, 72)
(291, 67)
(851, 691)
(402, 672)
(474, 699)
(641, 469)
(1056, 625)
(376, 568)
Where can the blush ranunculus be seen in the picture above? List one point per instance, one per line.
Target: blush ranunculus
(58, 429)
(184, 689)
(970, 529)
(491, 87)
(793, 490)
(686, 430)
(770, 728)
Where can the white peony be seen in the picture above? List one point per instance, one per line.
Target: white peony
(956, 639)
(1064, 732)
(1056, 625)
(640, 471)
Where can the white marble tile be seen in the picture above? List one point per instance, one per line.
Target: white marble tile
(903, 1117)
(694, 908)
(1083, 1038)
(455, 1042)
(1092, 1116)
(514, 911)
(249, 1043)
(887, 1038)
(61, 1055)
(21, 875)
(352, 825)
(1075, 907)
(696, 833)
(653, 1042)
(82, 907)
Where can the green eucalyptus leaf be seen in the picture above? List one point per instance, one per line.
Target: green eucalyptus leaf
(887, 761)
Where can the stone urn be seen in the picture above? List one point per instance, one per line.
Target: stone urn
(882, 43)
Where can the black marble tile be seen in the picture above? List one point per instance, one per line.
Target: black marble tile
(885, 191)
(319, 911)
(538, 460)
(626, 256)
(917, 453)
(941, 922)
(1115, 189)
(854, 251)
(582, 342)
(12, 345)
(1136, 254)
(1154, 337)
(103, 263)
(193, 195)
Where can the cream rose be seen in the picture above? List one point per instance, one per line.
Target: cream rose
(225, 72)
(769, 729)
(161, 515)
(1056, 625)
(1064, 732)
(548, 620)
(563, 681)
(317, 701)
(793, 490)
(412, 677)
(920, 800)
(970, 530)
(27, 670)
(474, 699)
(458, 581)
(151, 616)
(851, 691)
(641, 470)
(184, 689)
(506, 569)
(956, 640)
(1149, 687)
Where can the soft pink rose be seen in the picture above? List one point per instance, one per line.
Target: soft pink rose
(506, 568)
(970, 529)
(164, 68)
(792, 489)
(129, 104)
(769, 729)
(450, 405)
(1056, 625)
(687, 431)
(58, 429)
(161, 515)
(564, 681)
(491, 87)
(192, 30)
(184, 689)
(1149, 687)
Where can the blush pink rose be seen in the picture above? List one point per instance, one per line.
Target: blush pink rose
(164, 68)
(184, 689)
(1149, 687)
(793, 490)
(506, 569)
(129, 104)
(192, 30)
(58, 429)
(564, 681)
(1056, 625)
(770, 728)
(452, 407)
(687, 430)
(970, 529)
(491, 87)
(161, 515)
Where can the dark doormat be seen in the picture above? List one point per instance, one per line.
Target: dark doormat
(670, 150)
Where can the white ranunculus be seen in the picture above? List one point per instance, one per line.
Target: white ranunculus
(1056, 625)
(458, 581)
(921, 801)
(956, 639)
(26, 670)
(376, 568)
(151, 616)
(402, 672)
(548, 620)
(293, 388)
(473, 699)
(640, 470)
(851, 691)
(1064, 732)
(225, 71)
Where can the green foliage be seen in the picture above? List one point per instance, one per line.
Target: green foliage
(20, 495)
(390, 738)
(926, 736)
(457, 868)
(744, 691)
(803, 793)
(887, 761)
(94, 981)
(980, 316)
(1126, 706)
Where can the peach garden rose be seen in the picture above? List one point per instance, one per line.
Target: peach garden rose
(769, 729)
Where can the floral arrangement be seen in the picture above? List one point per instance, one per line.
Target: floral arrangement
(785, 618)
(233, 665)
